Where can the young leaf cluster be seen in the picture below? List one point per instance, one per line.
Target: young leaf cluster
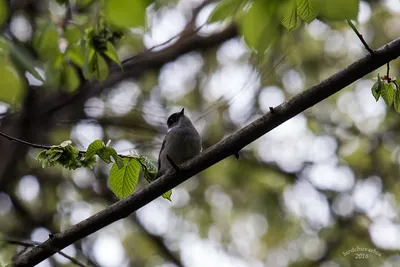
(124, 173)
(389, 90)
(260, 21)
(65, 155)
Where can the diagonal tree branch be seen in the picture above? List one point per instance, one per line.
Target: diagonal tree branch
(214, 154)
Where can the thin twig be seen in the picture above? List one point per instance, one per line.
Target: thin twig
(360, 37)
(14, 139)
(387, 74)
(176, 36)
(32, 244)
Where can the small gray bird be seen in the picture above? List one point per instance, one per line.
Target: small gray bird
(181, 143)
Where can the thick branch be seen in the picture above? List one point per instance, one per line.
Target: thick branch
(214, 154)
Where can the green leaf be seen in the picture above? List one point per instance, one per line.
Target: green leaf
(289, 19)
(337, 9)
(100, 68)
(224, 10)
(307, 10)
(46, 41)
(123, 181)
(3, 11)
(117, 159)
(65, 155)
(76, 53)
(376, 89)
(111, 53)
(149, 168)
(11, 84)
(88, 61)
(70, 78)
(105, 154)
(259, 26)
(167, 195)
(93, 148)
(397, 101)
(126, 13)
(66, 143)
(73, 34)
(26, 60)
(95, 66)
(388, 93)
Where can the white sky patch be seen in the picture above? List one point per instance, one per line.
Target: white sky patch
(179, 77)
(393, 6)
(40, 234)
(361, 106)
(293, 81)
(194, 250)
(365, 12)
(165, 24)
(86, 133)
(318, 30)
(329, 176)
(109, 251)
(303, 200)
(366, 193)
(80, 211)
(270, 96)
(94, 107)
(28, 187)
(232, 51)
(385, 234)
(123, 98)
(229, 81)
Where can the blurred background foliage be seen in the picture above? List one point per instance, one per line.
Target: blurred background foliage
(313, 192)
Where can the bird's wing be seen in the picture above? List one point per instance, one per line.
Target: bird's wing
(162, 148)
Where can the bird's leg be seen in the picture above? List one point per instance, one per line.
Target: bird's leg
(173, 164)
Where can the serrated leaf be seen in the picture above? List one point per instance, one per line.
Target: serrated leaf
(388, 93)
(307, 10)
(397, 101)
(259, 26)
(111, 53)
(224, 10)
(289, 18)
(167, 195)
(123, 181)
(93, 148)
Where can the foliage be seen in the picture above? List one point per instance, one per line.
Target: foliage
(124, 173)
(260, 21)
(389, 89)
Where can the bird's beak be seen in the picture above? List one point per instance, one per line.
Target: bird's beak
(182, 111)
